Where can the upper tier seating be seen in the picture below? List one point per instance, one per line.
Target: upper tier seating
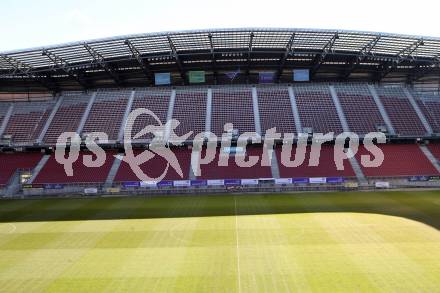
(53, 172)
(360, 109)
(190, 110)
(402, 115)
(326, 167)
(68, 117)
(156, 166)
(107, 113)
(275, 109)
(316, 109)
(233, 171)
(156, 101)
(10, 163)
(430, 106)
(232, 105)
(28, 120)
(399, 160)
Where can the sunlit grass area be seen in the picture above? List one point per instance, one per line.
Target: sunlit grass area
(357, 241)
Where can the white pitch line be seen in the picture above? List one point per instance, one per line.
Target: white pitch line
(237, 249)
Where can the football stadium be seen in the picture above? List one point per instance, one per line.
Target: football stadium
(150, 163)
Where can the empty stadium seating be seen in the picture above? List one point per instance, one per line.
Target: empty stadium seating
(400, 111)
(316, 109)
(233, 171)
(28, 120)
(156, 101)
(232, 105)
(190, 110)
(107, 113)
(360, 109)
(435, 150)
(275, 109)
(399, 160)
(430, 106)
(53, 172)
(10, 163)
(156, 166)
(4, 107)
(326, 167)
(229, 104)
(67, 118)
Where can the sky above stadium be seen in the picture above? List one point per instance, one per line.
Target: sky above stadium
(30, 23)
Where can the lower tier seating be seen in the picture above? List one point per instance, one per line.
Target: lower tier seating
(10, 163)
(435, 150)
(233, 171)
(156, 166)
(53, 172)
(325, 168)
(399, 160)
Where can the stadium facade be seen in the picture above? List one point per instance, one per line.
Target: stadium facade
(299, 81)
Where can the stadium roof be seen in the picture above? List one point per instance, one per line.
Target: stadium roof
(132, 60)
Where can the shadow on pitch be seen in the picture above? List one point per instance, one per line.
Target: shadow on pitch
(420, 206)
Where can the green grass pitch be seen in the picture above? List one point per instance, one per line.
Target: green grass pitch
(307, 242)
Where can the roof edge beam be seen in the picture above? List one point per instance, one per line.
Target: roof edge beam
(26, 70)
(249, 55)
(214, 62)
(138, 56)
(100, 60)
(177, 58)
(363, 53)
(289, 52)
(62, 64)
(403, 54)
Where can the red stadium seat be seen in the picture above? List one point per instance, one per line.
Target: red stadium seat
(326, 167)
(10, 163)
(53, 172)
(233, 171)
(156, 166)
(399, 160)
(275, 109)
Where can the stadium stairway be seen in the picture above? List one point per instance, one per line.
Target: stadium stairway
(430, 157)
(38, 168)
(195, 155)
(170, 114)
(208, 111)
(295, 110)
(382, 111)
(113, 170)
(50, 119)
(125, 118)
(339, 109)
(86, 113)
(256, 111)
(418, 111)
(13, 188)
(6, 119)
(274, 165)
(356, 168)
